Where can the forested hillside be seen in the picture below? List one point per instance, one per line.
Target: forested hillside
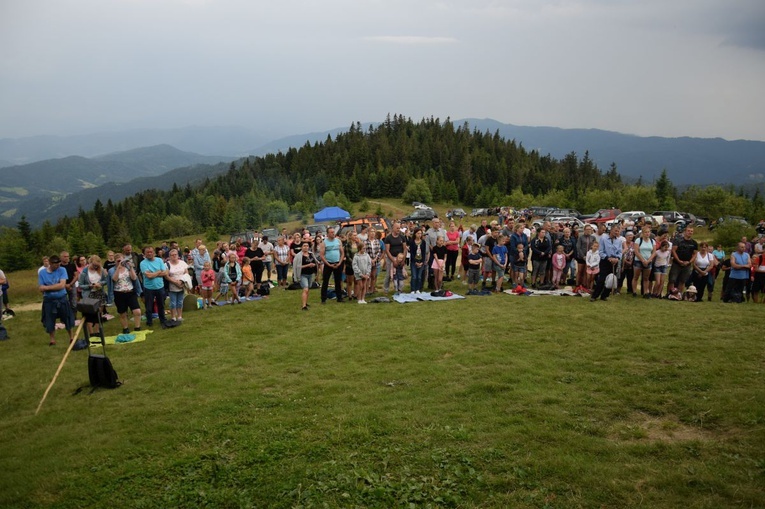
(429, 159)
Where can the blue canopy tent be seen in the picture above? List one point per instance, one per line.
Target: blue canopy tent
(331, 214)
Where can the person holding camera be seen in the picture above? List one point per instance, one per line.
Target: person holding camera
(126, 288)
(93, 283)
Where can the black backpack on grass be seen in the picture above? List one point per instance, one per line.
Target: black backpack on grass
(101, 372)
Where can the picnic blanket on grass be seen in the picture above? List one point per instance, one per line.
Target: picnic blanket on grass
(403, 298)
(536, 293)
(242, 299)
(125, 338)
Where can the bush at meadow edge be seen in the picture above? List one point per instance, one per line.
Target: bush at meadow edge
(489, 401)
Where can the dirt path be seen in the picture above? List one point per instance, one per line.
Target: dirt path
(32, 306)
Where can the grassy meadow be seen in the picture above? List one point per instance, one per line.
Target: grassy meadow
(496, 401)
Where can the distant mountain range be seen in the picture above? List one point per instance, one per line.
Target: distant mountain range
(700, 161)
(80, 173)
(38, 189)
(231, 141)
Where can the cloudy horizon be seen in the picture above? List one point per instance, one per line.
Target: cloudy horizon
(650, 68)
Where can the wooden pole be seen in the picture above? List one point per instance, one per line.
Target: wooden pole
(60, 366)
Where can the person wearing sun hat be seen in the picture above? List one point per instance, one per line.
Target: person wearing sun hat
(690, 294)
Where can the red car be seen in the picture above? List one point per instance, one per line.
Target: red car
(603, 216)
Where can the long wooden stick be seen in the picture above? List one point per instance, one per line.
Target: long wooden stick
(60, 366)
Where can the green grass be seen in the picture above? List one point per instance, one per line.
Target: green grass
(485, 402)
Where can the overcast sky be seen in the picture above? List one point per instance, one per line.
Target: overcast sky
(646, 67)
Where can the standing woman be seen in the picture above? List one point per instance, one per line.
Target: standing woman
(176, 268)
(126, 289)
(583, 245)
(93, 283)
(351, 248)
(304, 270)
(660, 265)
(418, 250)
(282, 259)
(375, 253)
(719, 254)
(645, 252)
(318, 242)
(628, 259)
(452, 250)
(703, 264)
(540, 256)
(108, 266)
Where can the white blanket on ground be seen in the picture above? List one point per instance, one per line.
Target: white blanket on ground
(535, 293)
(403, 298)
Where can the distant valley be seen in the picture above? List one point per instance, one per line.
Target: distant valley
(37, 189)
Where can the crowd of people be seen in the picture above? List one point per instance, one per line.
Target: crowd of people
(487, 257)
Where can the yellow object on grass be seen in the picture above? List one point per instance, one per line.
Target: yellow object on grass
(139, 336)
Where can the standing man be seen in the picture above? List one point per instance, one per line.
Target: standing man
(395, 244)
(610, 253)
(154, 272)
(332, 254)
(53, 283)
(683, 253)
(71, 279)
(740, 265)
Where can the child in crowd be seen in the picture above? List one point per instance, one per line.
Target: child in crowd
(248, 278)
(362, 268)
(559, 264)
(690, 294)
(439, 262)
(500, 254)
(208, 281)
(230, 276)
(592, 260)
(399, 273)
(660, 266)
(519, 266)
(474, 267)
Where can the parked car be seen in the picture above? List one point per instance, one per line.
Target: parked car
(570, 221)
(420, 215)
(246, 236)
(565, 212)
(691, 219)
(455, 213)
(603, 216)
(479, 212)
(313, 229)
(668, 216)
(418, 205)
(271, 233)
(540, 211)
(728, 220)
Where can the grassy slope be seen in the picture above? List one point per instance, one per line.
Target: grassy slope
(487, 402)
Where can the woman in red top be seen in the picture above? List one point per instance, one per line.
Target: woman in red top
(452, 250)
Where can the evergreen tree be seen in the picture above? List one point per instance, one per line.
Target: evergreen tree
(25, 230)
(665, 192)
